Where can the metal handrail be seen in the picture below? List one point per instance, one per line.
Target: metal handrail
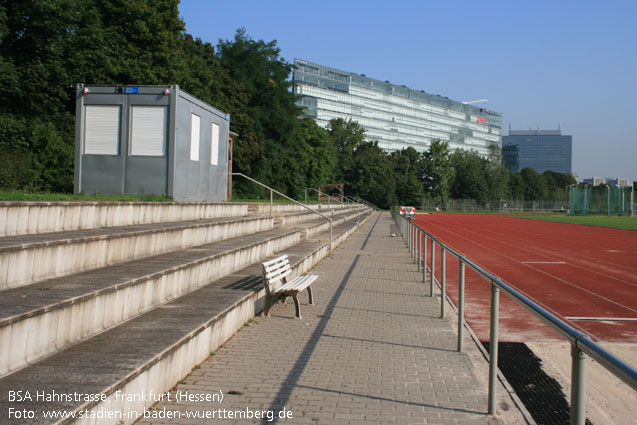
(365, 202)
(287, 197)
(357, 203)
(329, 197)
(416, 239)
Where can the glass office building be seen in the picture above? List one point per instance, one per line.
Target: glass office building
(395, 116)
(541, 150)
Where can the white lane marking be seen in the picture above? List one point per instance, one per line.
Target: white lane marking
(542, 262)
(604, 319)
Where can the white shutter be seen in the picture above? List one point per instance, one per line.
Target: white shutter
(195, 127)
(150, 130)
(101, 129)
(214, 145)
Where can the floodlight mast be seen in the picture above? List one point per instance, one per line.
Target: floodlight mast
(470, 102)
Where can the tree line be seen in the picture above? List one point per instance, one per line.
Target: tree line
(46, 48)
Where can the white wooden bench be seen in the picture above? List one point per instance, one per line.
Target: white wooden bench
(277, 270)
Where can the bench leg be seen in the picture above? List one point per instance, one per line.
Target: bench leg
(297, 307)
(309, 293)
(266, 306)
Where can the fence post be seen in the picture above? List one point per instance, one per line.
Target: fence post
(418, 248)
(403, 229)
(424, 257)
(413, 242)
(432, 268)
(443, 281)
(493, 348)
(460, 305)
(578, 386)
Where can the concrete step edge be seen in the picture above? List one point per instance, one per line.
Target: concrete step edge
(14, 331)
(38, 263)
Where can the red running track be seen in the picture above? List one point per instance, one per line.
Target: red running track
(586, 275)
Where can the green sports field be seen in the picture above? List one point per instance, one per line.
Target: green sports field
(629, 223)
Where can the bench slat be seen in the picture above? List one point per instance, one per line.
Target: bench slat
(280, 265)
(275, 260)
(298, 283)
(271, 278)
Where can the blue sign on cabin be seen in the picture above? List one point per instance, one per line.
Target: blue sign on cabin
(130, 90)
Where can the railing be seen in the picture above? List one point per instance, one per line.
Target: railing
(362, 201)
(272, 191)
(329, 197)
(581, 344)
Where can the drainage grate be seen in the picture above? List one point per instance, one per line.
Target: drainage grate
(541, 394)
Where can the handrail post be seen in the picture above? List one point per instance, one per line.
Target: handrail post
(407, 233)
(432, 268)
(424, 258)
(443, 280)
(460, 305)
(271, 196)
(420, 240)
(418, 248)
(331, 237)
(493, 348)
(413, 242)
(404, 229)
(578, 385)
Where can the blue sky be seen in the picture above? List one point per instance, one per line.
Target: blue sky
(539, 63)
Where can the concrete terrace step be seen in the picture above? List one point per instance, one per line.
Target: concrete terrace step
(39, 319)
(81, 305)
(32, 258)
(291, 218)
(263, 208)
(153, 351)
(24, 218)
(320, 225)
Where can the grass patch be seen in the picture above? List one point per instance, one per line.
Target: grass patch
(21, 195)
(627, 223)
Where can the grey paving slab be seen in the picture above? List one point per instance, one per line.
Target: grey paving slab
(372, 350)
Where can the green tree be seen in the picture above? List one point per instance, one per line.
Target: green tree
(346, 136)
(516, 186)
(534, 185)
(437, 171)
(257, 66)
(372, 176)
(408, 167)
(307, 161)
(556, 184)
(47, 47)
(204, 76)
(471, 180)
(497, 176)
(363, 167)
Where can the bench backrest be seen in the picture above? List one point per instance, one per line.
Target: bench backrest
(276, 269)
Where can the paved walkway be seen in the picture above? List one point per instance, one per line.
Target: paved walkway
(372, 351)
